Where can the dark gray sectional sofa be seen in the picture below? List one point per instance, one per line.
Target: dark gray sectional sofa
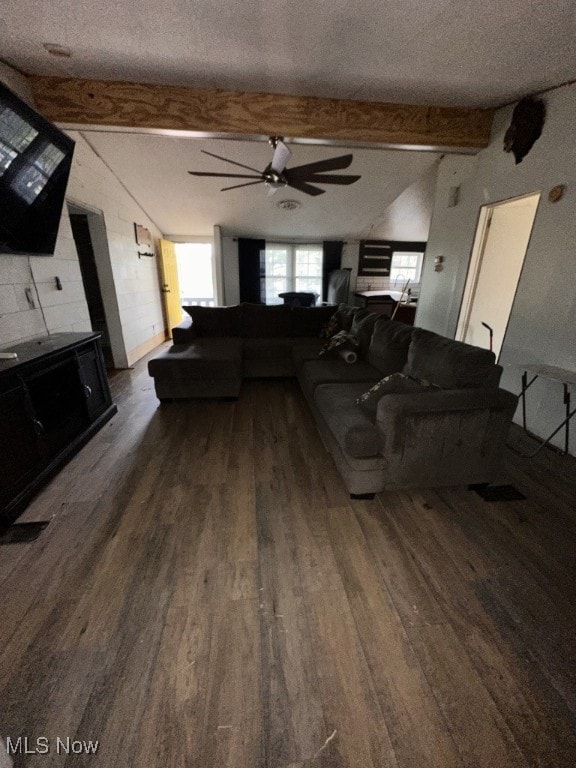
(216, 347)
(451, 432)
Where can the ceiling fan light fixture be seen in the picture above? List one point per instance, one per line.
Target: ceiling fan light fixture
(303, 178)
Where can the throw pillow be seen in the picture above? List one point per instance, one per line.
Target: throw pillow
(363, 324)
(395, 384)
(341, 340)
(330, 328)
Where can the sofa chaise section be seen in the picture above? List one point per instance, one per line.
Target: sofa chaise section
(207, 368)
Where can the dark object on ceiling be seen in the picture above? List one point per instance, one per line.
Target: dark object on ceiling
(276, 175)
(526, 127)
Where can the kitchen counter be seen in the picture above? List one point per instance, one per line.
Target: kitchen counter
(395, 295)
(384, 303)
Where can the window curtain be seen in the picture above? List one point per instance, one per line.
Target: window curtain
(252, 270)
(331, 260)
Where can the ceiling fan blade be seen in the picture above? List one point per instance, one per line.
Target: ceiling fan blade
(237, 186)
(281, 156)
(332, 178)
(302, 186)
(331, 164)
(224, 175)
(226, 160)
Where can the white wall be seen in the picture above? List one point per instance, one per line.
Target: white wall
(408, 217)
(541, 327)
(230, 270)
(135, 281)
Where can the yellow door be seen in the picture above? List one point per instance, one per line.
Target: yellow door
(170, 286)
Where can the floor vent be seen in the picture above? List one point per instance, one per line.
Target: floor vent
(22, 533)
(498, 492)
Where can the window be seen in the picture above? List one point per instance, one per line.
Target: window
(292, 267)
(406, 265)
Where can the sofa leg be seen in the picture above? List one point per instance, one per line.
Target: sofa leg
(362, 496)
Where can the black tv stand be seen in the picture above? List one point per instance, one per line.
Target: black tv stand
(53, 398)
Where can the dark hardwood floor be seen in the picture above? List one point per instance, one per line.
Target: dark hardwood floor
(207, 595)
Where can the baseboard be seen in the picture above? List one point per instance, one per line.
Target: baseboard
(142, 349)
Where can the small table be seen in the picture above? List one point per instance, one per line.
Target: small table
(552, 373)
(299, 298)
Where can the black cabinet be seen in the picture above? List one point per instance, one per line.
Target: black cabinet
(53, 398)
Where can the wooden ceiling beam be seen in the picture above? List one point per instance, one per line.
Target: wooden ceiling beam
(71, 101)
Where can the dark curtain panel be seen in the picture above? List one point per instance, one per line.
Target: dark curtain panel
(252, 269)
(331, 259)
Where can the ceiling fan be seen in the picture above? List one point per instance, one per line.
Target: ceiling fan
(276, 175)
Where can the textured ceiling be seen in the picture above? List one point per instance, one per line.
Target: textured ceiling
(154, 170)
(445, 52)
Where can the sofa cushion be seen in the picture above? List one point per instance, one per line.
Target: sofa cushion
(354, 431)
(309, 321)
(388, 350)
(395, 384)
(450, 364)
(336, 371)
(261, 321)
(345, 314)
(305, 349)
(268, 349)
(362, 326)
(214, 321)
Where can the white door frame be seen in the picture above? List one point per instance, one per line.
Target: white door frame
(475, 264)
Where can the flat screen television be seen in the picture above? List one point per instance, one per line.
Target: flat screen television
(35, 162)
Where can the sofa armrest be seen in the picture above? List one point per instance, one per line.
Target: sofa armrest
(446, 437)
(183, 333)
(445, 400)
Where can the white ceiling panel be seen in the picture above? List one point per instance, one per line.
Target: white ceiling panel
(155, 171)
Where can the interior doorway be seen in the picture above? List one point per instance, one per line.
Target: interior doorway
(500, 245)
(89, 271)
(196, 273)
(89, 233)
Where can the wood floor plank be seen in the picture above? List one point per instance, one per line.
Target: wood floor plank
(293, 720)
(350, 701)
(416, 726)
(475, 723)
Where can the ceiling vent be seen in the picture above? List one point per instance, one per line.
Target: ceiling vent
(288, 205)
